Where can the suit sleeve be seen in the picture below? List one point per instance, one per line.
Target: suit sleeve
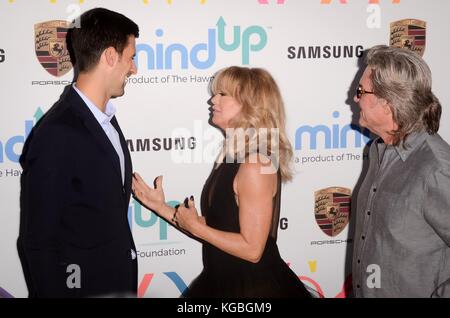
(437, 214)
(45, 184)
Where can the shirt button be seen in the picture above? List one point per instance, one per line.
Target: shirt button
(359, 261)
(363, 237)
(357, 286)
(374, 190)
(368, 212)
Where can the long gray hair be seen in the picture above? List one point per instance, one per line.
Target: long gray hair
(403, 79)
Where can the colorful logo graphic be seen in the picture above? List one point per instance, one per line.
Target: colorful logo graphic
(12, 146)
(173, 276)
(164, 56)
(332, 209)
(410, 34)
(332, 136)
(51, 47)
(5, 294)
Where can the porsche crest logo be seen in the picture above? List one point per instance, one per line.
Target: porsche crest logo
(410, 34)
(332, 209)
(51, 47)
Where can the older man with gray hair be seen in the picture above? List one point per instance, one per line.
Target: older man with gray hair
(402, 235)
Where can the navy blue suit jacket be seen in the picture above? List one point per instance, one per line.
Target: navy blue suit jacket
(74, 207)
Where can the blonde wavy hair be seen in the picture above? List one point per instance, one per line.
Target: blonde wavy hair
(262, 110)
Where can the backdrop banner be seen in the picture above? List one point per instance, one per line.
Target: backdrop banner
(313, 48)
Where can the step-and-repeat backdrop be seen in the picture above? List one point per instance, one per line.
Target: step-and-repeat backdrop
(313, 48)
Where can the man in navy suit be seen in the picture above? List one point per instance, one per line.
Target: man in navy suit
(75, 240)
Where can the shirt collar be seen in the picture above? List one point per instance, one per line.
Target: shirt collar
(102, 118)
(413, 141)
(405, 149)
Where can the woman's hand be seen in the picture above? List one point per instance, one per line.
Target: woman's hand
(152, 198)
(188, 218)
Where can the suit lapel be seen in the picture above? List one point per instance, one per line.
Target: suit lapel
(126, 155)
(95, 129)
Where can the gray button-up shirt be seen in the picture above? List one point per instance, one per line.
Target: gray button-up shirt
(402, 234)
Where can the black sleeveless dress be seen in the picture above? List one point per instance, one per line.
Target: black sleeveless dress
(225, 275)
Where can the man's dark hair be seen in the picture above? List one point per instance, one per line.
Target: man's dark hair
(99, 29)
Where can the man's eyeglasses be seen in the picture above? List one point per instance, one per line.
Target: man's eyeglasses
(360, 92)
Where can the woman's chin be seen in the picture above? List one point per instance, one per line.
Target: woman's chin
(217, 123)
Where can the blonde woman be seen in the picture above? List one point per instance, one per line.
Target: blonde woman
(240, 202)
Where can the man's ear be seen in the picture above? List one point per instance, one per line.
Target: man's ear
(387, 108)
(385, 105)
(110, 55)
